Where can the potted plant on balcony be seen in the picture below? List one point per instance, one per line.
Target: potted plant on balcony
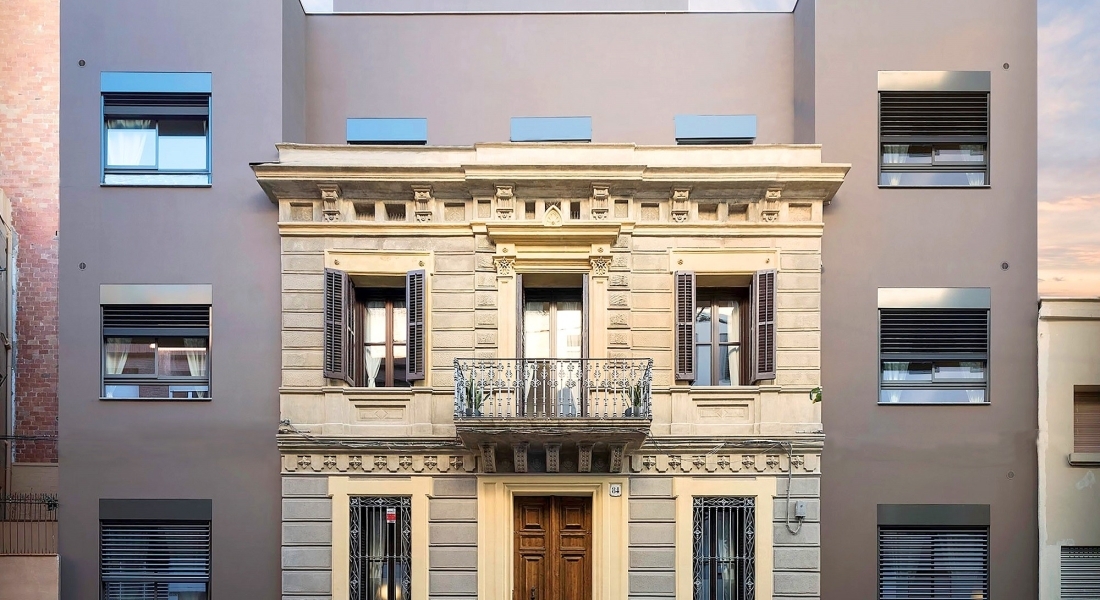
(474, 398)
(635, 410)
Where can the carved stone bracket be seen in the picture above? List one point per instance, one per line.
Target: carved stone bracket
(769, 208)
(519, 456)
(681, 204)
(505, 202)
(617, 452)
(601, 200)
(330, 202)
(488, 458)
(584, 457)
(553, 458)
(422, 198)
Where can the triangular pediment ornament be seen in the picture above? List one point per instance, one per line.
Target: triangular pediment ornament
(552, 218)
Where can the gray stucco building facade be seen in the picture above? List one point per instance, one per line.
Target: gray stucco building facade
(253, 427)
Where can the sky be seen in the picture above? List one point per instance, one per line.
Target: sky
(1069, 147)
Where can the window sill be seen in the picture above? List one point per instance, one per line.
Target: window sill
(1084, 459)
(184, 400)
(934, 187)
(154, 179)
(933, 403)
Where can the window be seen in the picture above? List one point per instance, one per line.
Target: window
(1086, 422)
(374, 336)
(156, 128)
(147, 560)
(933, 355)
(551, 129)
(933, 128)
(717, 327)
(929, 563)
(156, 351)
(387, 131)
(381, 538)
(724, 548)
(1080, 572)
(715, 129)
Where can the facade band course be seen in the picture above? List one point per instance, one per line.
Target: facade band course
(550, 370)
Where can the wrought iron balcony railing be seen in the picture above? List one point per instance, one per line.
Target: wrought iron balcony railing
(554, 388)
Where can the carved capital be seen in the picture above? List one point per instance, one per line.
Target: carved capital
(505, 266)
(601, 266)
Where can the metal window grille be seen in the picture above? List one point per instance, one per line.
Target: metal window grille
(1080, 572)
(933, 563)
(381, 540)
(154, 560)
(724, 548)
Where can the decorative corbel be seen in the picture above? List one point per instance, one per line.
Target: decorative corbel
(330, 201)
(617, 453)
(519, 456)
(553, 457)
(422, 199)
(681, 204)
(488, 458)
(601, 201)
(584, 457)
(769, 209)
(505, 202)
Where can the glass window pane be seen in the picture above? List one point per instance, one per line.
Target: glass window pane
(702, 323)
(130, 356)
(956, 153)
(728, 322)
(955, 370)
(910, 154)
(569, 330)
(932, 178)
(188, 391)
(375, 359)
(906, 371)
(536, 330)
(181, 153)
(120, 391)
(376, 322)
(187, 591)
(400, 322)
(702, 365)
(730, 364)
(400, 366)
(932, 396)
(131, 143)
(181, 357)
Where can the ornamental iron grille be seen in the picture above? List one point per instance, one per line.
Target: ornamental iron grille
(381, 538)
(724, 548)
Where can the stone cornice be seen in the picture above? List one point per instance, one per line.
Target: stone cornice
(744, 172)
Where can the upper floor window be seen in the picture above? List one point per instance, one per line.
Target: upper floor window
(551, 129)
(374, 335)
(934, 348)
(724, 548)
(156, 351)
(715, 129)
(1086, 421)
(387, 131)
(156, 128)
(933, 128)
(725, 335)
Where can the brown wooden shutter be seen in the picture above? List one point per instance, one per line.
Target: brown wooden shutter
(763, 326)
(336, 284)
(1086, 422)
(415, 307)
(685, 325)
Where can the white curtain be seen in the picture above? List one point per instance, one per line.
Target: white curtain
(196, 359)
(118, 349)
(374, 363)
(894, 154)
(894, 371)
(126, 142)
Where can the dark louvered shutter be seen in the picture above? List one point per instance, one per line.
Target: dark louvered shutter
(933, 564)
(156, 319)
(415, 307)
(336, 285)
(1080, 572)
(139, 557)
(934, 331)
(763, 326)
(155, 105)
(932, 116)
(1086, 422)
(685, 325)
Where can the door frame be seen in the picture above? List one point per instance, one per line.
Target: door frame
(496, 519)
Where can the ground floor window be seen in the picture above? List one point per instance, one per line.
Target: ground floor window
(724, 548)
(381, 540)
(932, 563)
(1080, 572)
(150, 560)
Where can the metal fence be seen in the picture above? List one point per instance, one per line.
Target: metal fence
(28, 524)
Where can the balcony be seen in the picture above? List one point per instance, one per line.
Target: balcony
(554, 406)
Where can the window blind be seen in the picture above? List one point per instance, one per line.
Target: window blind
(933, 563)
(1080, 573)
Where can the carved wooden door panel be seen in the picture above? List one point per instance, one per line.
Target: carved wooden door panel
(553, 548)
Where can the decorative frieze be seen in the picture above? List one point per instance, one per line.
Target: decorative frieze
(376, 464)
(641, 462)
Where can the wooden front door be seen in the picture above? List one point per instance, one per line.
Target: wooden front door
(553, 542)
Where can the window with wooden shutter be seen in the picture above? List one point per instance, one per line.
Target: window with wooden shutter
(1080, 573)
(415, 303)
(154, 560)
(934, 138)
(336, 343)
(933, 355)
(763, 325)
(1086, 422)
(685, 325)
(156, 351)
(950, 563)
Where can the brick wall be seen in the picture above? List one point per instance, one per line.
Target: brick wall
(29, 101)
